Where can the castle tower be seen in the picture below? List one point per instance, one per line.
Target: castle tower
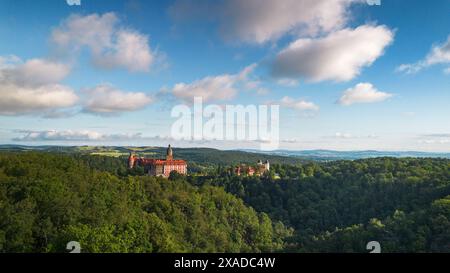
(169, 154)
(267, 164)
(131, 160)
(237, 171)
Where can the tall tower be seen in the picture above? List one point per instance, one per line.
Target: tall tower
(169, 154)
(267, 164)
(131, 161)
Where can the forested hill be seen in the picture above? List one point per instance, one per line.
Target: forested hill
(340, 206)
(328, 155)
(47, 200)
(197, 156)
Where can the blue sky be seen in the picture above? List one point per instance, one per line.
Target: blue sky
(347, 75)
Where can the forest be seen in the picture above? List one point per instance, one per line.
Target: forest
(340, 206)
(48, 199)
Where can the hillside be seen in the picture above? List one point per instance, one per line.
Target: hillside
(337, 206)
(328, 155)
(47, 200)
(201, 156)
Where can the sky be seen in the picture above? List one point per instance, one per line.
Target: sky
(347, 75)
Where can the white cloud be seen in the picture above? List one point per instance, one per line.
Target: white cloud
(260, 21)
(211, 88)
(107, 100)
(9, 61)
(18, 100)
(91, 137)
(111, 45)
(435, 141)
(72, 135)
(438, 135)
(441, 138)
(340, 56)
(34, 72)
(301, 105)
(439, 54)
(59, 114)
(340, 135)
(131, 51)
(291, 140)
(363, 93)
(343, 135)
(33, 86)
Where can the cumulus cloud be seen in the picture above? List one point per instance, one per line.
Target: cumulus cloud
(34, 72)
(111, 44)
(260, 21)
(439, 54)
(90, 136)
(211, 88)
(340, 56)
(301, 105)
(17, 100)
(33, 86)
(106, 100)
(363, 93)
(72, 135)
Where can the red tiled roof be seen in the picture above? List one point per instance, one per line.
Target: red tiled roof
(152, 161)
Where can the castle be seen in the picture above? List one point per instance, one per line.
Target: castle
(159, 167)
(260, 169)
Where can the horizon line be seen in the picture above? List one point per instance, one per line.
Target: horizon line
(236, 149)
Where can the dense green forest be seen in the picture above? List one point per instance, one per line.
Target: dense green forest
(197, 156)
(111, 158)
(340, 206)
(48, 199)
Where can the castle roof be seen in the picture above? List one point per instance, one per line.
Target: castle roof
(152, 161)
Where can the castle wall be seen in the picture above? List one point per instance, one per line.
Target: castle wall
(158, 167)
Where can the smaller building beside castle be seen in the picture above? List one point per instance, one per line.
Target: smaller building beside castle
(260, 169)
(159, 167)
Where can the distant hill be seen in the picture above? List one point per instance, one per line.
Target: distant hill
(210, 156)
(326, 155)
(201, 156)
